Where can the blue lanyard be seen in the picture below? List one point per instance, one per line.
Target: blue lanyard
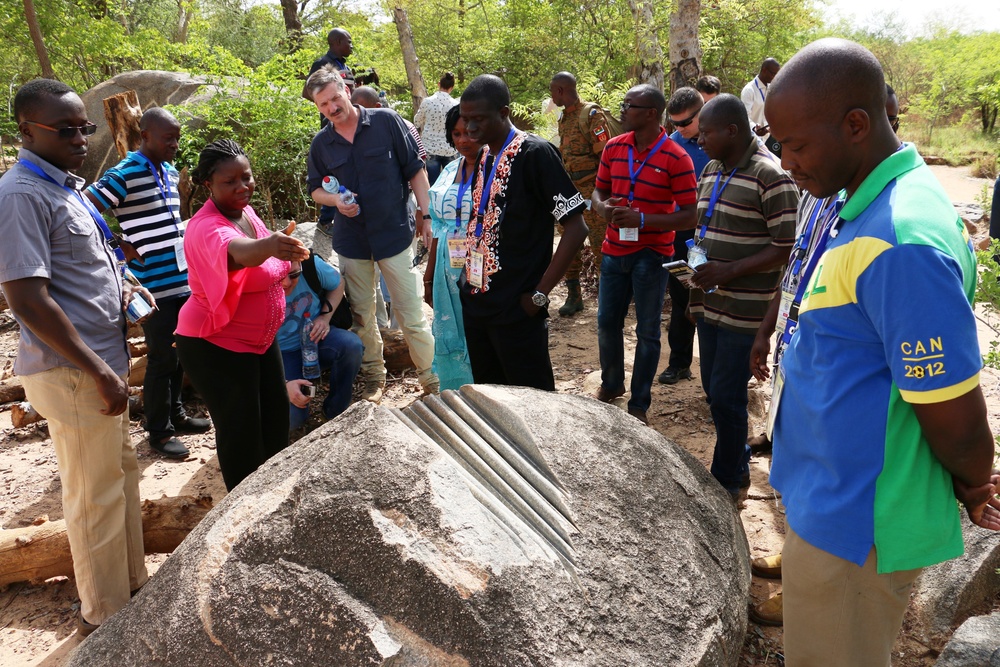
(829, 232)
(757, 86)
(163, 186)
(713, 200)
(103, 226)
(488, 183)
(463, 187)
(633, 176)
(802, 244)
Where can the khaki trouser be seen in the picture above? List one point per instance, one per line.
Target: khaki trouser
(597, 227)
(837, 614)
(100, 483)
(402, 280)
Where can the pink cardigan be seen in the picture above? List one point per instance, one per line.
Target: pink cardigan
(237, 310)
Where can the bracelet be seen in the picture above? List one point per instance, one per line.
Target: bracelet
(428, 282)
(642, 219)
(427, 217)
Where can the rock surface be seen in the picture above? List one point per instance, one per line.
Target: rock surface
(976, 643)
(950, 590)
(492, 526)
(154, 88)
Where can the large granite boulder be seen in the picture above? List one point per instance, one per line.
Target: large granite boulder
(154, 88)
(948, 591)
(492, 526)
(976, 643)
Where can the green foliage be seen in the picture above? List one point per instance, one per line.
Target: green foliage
(265, 114)
(988, 293)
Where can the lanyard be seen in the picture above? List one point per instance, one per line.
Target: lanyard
(713, 200)
(488, 183)
(463, 187)
(163, 186)
(802, 244)
(103, 226)
(830, 229)
(633, 176)
(759, 90)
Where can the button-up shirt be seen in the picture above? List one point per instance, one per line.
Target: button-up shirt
(430, 118)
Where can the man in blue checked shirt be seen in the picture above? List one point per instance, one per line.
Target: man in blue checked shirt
(141, 192)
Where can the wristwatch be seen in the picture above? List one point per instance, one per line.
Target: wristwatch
(540, 299)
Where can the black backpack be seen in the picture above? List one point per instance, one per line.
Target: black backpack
(342, 317)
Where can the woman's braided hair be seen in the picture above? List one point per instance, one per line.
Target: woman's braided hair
(213, 154)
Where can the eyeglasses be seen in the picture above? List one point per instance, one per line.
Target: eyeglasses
(67, 132)
(625, 106)
(292, 275)
(687, 121)
(894, 123)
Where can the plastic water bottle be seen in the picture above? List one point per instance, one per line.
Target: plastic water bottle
(346, 196)
(310, 351)
(331, 184)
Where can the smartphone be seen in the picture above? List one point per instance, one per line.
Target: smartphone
(309, 390)
(680, 270)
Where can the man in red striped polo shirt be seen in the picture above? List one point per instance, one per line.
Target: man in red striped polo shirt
(646, 188)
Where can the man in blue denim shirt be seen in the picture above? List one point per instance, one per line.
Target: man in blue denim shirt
(371, 153)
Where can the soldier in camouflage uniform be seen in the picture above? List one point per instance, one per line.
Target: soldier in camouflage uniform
(581, 140)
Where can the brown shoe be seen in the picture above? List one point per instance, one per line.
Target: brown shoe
(373, 389)
(768, 612)
(83, 628)
(760, 444)
(605, 396)
(639, 414)
(768, 567)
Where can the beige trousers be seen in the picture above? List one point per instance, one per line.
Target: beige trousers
(401, 279)
(837, 614)
(100, 484)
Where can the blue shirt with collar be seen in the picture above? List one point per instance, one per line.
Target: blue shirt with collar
(700, 159)
(377, 167)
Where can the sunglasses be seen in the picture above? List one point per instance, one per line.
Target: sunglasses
(625, 106)
(687, 121)
(894, 122)
(67, 132)
(292, 275)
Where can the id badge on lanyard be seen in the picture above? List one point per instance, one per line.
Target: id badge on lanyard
(458, 249)
(182, 264)
(778, 386)
(476, 259)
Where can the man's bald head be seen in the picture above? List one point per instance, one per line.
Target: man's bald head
(366, 96)
(339, 41)
(834, 75)
(157, 116)
(725, 110)
(562, 88)
(769, 68)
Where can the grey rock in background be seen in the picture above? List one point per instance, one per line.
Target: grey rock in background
(492, 526)
(976, 643)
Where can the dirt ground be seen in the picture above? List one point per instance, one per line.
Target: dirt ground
(37, 621)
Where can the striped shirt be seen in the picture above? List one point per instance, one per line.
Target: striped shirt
(667, 178)
(756, 210)
(150, 220)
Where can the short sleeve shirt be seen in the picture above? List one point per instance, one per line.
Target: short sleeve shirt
(663, 180)
(581, 150)
(148, 211)
(377, 168)
(886, 322)
(47, 233)
(531, 191)
(304, 304)
(430, 118)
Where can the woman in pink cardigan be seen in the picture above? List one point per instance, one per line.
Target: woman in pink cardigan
(226, 330)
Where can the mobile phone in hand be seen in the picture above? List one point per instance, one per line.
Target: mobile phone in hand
(308, 390)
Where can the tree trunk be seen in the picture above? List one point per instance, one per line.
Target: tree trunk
(648, 54)
(37, 553)
(123, 112)
(11, 390)
(36, 38)
(185, 12)
(685, 52)
(413, 76)
(293, 26)
(22, 414)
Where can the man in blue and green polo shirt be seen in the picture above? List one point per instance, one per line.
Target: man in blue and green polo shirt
(881, 422)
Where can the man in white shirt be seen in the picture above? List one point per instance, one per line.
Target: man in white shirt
(755, 93)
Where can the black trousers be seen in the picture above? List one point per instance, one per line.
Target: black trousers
(515, 354)
(161, 389)
(680, 331)
(246, 397)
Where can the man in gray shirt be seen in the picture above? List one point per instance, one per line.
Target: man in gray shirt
(64, 287)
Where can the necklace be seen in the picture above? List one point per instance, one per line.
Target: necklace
(243, 224)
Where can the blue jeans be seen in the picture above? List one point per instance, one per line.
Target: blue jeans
(340, 353)
(638, 277)
(435, 163)
(725, 371)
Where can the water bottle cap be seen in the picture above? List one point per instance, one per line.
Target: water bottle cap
(342, 189)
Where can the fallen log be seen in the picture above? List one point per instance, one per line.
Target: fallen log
(37, 553)
(22, 414)
(11, 390)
